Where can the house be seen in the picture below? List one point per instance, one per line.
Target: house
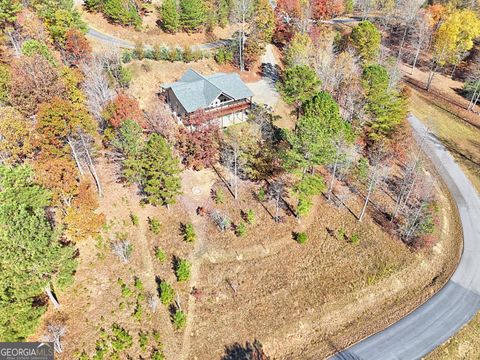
(221, 98)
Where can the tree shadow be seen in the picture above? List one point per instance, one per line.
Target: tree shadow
(251, 351)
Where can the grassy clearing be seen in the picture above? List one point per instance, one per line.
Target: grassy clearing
(462, 139)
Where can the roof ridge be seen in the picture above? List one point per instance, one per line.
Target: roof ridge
(206, 79)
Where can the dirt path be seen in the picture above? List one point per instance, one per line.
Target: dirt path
(196, 188)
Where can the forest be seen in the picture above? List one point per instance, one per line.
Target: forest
(104, 194)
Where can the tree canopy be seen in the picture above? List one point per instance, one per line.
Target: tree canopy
(366, 39)
(31, 257)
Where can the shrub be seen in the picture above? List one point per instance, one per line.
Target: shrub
(138, 284)
(241, 229)
(222, 221)
(301, 238)
(355, 239)
(137, 313)
(341, 233)
(134, 219)
(157, 355)
(187, 54)
(182, 270)
(160, 255)
(143, 340)
(179, 319)
(250, 216)
(219, 196)
(125, 290)
(139, 51)
(127, 56)
(189, 233)
(261, 196)
(223, 56)
(121, 339)
(149, 54)
(167, 294)
(154, 225)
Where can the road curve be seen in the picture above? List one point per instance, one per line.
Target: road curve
(456, 303)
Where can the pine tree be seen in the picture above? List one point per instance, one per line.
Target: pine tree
(264, 20)
(8, 12)
(192, 15)
(31, 257)
(170, 16)
(159, 172)
(366, 39)
(300, 83)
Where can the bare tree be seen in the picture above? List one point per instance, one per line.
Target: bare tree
(96, 86)
(161, 120)
(222, 221)
(152, 300)
(123, 249)
(55, 333)
(231, 159)
(344, 155)
(422, 33)
(474, 78)
(417, 211)
(276, 191)
(241, 10)
(407, 12)
(378, 170)
(52, 297)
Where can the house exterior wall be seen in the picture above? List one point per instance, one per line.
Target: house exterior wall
(175, 105)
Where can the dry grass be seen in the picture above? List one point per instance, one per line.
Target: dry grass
(464, 345)
(460, 138)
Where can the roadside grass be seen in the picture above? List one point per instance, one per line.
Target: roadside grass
(463, 141)
(464, 345)
(460, 138)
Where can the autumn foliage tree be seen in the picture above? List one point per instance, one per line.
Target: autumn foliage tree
(286, 11)
(77, 49)
(123, 107)
(199, 148)
(33, 81)
(81, 219)
(326, 9)
(16, 138)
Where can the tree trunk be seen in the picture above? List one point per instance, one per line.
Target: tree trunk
(75, 156)
(401, 44)
(330, 188)
(417, 53)
(52, 298)
(242, 34)
(369, 193)
(475, 96)
(235, 179)
(430, 78)
(91, 167)
(14, 43)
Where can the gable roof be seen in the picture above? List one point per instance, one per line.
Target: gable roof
(195, 91)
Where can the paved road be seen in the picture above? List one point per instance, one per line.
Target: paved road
(125, 44)
(264, 90)
(455, 304)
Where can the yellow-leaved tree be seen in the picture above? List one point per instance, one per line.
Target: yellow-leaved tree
(453, 39)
